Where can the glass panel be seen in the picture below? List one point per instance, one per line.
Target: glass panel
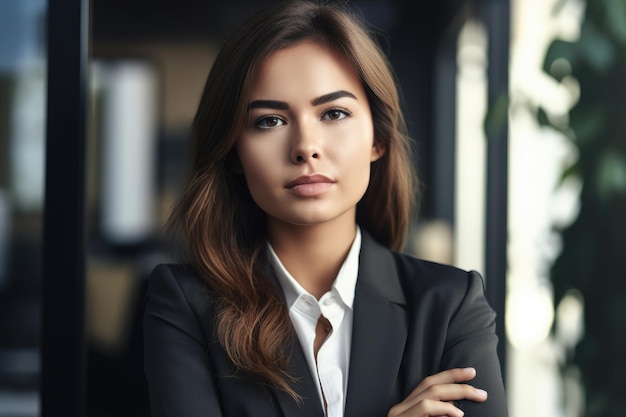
(22, 145)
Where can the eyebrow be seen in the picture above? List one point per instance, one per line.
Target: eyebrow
(281, 105)
(268, 104)
(332, 96)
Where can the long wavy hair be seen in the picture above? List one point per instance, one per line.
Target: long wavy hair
(224, 232)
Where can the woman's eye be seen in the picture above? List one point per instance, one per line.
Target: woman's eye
(335, 114)
(269, 122)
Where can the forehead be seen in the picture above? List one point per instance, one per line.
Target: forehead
(306, 70)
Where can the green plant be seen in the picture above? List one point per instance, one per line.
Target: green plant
(593, 257)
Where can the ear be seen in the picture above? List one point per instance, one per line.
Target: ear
(377, 152)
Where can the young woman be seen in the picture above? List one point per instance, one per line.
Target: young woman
(292, 302)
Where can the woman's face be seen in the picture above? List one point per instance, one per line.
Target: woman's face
(308, 144)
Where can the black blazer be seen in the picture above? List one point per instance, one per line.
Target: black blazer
(412, 319)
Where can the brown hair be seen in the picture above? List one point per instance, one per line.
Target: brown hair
(224, 231)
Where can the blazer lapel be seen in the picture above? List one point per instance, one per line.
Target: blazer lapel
(379, 332)
(310, 406)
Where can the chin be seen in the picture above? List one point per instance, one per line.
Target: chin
(308, 220)
(315, 218)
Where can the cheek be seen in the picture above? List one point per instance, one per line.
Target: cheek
(364, 156)
(251, 157)
(258, 167)
(359, 144)
(354, 157)
(362, 174)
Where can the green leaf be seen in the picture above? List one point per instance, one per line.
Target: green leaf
(571, 171)
(616, 19)
(588, 125)
(560, 49)
(596, 49)
(497, 115)
(611, 178)
(542, 117)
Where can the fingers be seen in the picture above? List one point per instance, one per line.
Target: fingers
(439, 394)
(427, 408)
(450, 376)
(436, 395)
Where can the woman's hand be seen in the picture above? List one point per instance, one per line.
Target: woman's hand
(436, 394)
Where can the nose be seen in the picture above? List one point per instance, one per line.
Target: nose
(306, 145)
(304, 156)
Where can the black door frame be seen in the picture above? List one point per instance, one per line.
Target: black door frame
(63, 299)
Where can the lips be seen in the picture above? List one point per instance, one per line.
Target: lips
(309, 179)
(310, 185)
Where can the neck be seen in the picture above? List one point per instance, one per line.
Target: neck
(313, 254)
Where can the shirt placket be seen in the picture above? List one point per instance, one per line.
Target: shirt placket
(329, 372)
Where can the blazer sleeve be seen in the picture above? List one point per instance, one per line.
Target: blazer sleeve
(472, 341)
(180, 377)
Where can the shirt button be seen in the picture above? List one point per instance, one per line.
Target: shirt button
(329, 300)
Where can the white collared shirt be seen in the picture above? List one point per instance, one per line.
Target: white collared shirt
(333, 358)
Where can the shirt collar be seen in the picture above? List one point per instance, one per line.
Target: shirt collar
(344, 284)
